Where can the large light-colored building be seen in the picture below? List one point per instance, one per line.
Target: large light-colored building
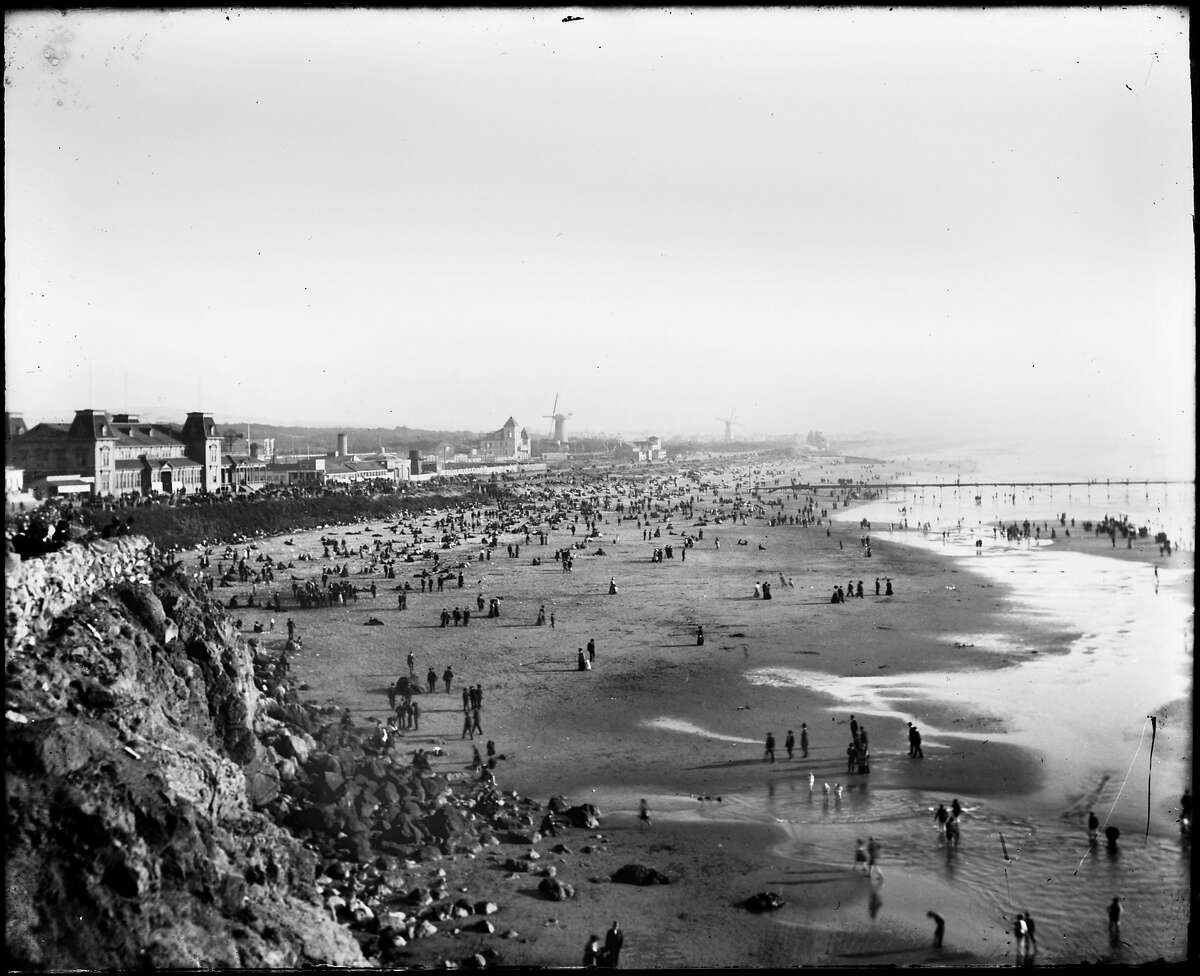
(650, 449)
(505, 443)
(120, 453)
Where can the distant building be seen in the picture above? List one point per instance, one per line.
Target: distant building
(303, 472)
(506, 443)
(119, 454)
(648, 450)
(332, 470)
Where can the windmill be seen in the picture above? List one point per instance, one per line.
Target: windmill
(558, 432)
(729, 423)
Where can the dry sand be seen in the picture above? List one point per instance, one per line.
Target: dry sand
(619, 732)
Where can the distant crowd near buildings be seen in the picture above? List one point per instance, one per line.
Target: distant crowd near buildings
(112, 455)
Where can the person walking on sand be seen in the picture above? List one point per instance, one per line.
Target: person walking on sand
(1114, 921)
(1030, 940)
(769, 752)
(447, 677)
(431, 680)
(614, 941)
(873, 858)
(591, 649)
(416, 716)
(917, 751)
(939, 928)
(942, 816)
(644, 813)
(1093, 827)
(790, 743)
(803, 741)
(582, 661)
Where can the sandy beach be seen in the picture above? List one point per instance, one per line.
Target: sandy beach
(682, 725)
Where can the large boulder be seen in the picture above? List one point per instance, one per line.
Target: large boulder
(445, 822)
(639, 874)
(145, 605)
(764, 901)
(555, 890)
(262, 784)
(583, 815)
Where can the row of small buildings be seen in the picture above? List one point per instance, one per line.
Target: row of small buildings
(105, 454)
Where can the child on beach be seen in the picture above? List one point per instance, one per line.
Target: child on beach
(860, 857)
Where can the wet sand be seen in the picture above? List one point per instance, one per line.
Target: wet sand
(662, 718)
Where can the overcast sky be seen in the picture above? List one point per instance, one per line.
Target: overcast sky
(963, 222)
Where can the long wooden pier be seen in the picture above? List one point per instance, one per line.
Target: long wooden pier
(905, 485)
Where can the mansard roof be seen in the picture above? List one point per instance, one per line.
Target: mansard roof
(145, 435)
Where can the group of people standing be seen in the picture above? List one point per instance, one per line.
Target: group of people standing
(853, 590)
(858, 752)
(789, 744)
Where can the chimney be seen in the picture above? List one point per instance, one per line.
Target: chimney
(343, 445)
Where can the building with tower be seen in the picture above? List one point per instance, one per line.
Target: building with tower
(119, 454)
(506, 443)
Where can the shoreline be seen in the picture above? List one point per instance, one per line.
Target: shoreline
(563, 731)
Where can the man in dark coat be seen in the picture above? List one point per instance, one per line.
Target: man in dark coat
(614, 939)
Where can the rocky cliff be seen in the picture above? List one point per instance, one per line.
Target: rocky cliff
(131, 723)
(172, 803)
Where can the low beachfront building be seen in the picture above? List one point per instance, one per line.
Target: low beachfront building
(350, 471)
(243, 471)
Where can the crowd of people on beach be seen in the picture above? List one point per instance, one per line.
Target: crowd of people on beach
(353, 573)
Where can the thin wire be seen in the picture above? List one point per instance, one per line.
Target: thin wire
(1108, 816)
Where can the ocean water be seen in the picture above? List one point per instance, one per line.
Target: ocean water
(1168, 508)
(1084, 714)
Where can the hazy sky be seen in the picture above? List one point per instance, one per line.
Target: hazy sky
(971, 222)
